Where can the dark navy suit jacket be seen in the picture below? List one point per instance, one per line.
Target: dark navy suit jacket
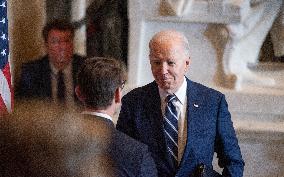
(209, 129)
(126, 157)
(35, 79)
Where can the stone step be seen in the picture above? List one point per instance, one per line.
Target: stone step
(267, 66)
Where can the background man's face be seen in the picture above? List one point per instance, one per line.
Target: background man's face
(59, 47)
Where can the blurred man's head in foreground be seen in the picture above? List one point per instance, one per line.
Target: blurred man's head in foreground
(40, 139)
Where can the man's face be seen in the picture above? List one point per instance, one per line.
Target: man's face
(169, 65)
(59, 47)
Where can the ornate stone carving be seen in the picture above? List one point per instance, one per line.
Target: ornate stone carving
(244, 43)
(238, 29)
(175, 7)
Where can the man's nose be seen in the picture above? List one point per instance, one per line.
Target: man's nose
(164, 68)
(63, 45)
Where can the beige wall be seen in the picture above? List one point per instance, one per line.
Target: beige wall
(26, 19)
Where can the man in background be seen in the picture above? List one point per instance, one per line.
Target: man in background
(181, 121)
(53, 76)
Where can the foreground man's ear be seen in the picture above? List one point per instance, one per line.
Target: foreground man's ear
(118, 95)
(79, 94)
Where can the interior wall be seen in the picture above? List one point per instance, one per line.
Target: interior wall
(26, 19)
(58, 9)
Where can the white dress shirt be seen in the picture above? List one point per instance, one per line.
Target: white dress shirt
(180, 104)
(99, 114)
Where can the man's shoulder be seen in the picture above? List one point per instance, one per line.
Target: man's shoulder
(128, 145)
(78, 58)
(142, 91)
(77, 61)
(103, 125)
(37, 62)
(133, 156)
(34, 66)
(200, 88)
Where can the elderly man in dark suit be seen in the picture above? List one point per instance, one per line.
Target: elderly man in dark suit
(53, 75)
(100, 84)
(181, 121)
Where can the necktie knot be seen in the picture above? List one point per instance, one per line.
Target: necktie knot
(170, 98)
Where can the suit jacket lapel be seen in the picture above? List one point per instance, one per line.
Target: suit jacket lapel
(193, 104)
(155, 114)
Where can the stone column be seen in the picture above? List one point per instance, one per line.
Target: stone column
(78, 12)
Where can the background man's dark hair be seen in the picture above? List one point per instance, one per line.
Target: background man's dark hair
(98, 79)
(57, 24)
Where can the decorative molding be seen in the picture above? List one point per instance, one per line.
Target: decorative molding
(175, 7)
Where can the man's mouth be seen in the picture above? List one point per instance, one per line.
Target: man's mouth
(165, 80)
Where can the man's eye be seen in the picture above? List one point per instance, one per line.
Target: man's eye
(171, 63)
(156, 62)
(67, 40)
(54, 41)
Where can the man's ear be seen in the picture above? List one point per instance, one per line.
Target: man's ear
(79, 94)
(118, 95)
(187, 63)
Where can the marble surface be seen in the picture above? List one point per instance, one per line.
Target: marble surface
(262, 152)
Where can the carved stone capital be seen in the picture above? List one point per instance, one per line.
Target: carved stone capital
(175, 7)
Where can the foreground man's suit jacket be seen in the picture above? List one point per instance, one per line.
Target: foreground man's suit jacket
(42, 143)
(118, 154)
(209, 129)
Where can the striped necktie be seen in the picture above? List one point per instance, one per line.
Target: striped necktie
(171, 128)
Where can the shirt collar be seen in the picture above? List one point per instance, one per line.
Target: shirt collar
(66, 70)
(99, 114)
(180, 93)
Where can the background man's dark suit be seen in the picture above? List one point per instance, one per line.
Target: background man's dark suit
(35, 79)
(209, 128)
